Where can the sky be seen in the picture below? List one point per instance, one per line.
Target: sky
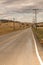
(21, 10)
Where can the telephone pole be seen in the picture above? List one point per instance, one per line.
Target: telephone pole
(35, 21)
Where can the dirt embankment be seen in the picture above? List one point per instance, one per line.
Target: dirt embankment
(10, 26)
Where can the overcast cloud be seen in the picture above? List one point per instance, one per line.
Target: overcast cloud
(20, 9)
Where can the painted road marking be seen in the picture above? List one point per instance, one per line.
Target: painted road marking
(36, 49)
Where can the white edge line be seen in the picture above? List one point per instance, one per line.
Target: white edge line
(36, 49)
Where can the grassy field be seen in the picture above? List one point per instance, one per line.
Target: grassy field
(39, 33)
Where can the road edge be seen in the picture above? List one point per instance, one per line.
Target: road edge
(36, 49)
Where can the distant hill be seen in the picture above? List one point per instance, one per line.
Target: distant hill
(40, 24)
(5, 20)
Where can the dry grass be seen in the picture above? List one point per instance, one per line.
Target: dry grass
(5, 30)
(10, 27)
(39, 33)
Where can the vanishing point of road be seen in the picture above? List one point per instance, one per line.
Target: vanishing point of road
(17, 48)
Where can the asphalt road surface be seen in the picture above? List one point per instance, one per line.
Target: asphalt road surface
(18, 48)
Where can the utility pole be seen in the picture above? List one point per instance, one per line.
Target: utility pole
(35, 11)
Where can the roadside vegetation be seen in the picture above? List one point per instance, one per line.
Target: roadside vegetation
(7, 26)
(39, 32)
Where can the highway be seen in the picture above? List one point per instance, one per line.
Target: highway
(17, 48)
